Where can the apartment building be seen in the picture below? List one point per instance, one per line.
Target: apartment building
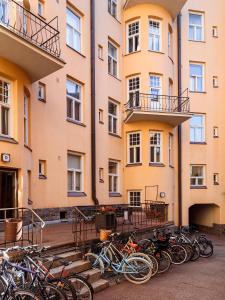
(119, 104)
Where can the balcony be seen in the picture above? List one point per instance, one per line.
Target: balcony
(173, 8)
(172, 110)
(28, 41)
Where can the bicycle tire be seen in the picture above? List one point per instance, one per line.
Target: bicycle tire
(143, 255)
(66, 286)
(17, 295)
(49, 290)
(130, 276)
(155, 264)
(178, 254)
(164, 262)
(83, 288)
(204, 245)
(95, 261)
(196, 252)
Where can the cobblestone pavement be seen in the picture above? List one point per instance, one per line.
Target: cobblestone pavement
(203, 279)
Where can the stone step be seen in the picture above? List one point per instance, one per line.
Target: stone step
(100, 285)
(77, 267)
(67, 256)
(92, 275)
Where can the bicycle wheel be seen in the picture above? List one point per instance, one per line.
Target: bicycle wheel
(84, 289)
(189, 250)
(66, 286)
(51, 292)
(143, 255)
(206, 248)
(154, 263)
(23, 295)
(196, 252)
(137, 270)
(164, 261)
(178, 254)
(95, 261)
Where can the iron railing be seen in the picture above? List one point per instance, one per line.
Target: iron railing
(148, 215)
(30, 27)
(157, 103)
(32, 225)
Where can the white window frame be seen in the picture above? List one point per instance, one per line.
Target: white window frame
(26, 120)
(113, 118)
(155, 97)
(170, 149)
(113, 60)
(8, 106)
(195, 77)
(198, 177)
(135, 83)
(75, 171)
(133, 36)
(153, 36)
(41, 8)
(75, 31)
(135, 147)
(195, 127)
(74, 101)
(155, 146)
(110, 8)
(134, 201)
(196, 26)
(113, 176)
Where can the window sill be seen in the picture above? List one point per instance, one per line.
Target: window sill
(115, 135)
(156, 165)
(42, 100)
(115, 77)
(198, 187)
(216, 183)
(130, 53)
(42, 177)
(76, 194)
(198, 143)
(159, 52)
(172, 167)
(216, 137)
(76, 51)
(115, 195)
(26, 146)
(198, 92)
(76, 122)
(101, 181)
(101, 122)
(8, 140)
(197, 41)
(134, 165)
(216, 87)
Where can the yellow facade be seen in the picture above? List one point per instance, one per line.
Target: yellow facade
(58, 132)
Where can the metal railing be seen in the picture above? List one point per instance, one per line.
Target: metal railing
(158, 103)
(32, 225)
(148, 215)
(30, 27)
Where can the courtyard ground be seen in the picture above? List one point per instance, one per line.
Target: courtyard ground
(203, 279)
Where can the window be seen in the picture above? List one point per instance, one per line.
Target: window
(112, 117)
(215, 31)
(155, 147)
(133, 37)
(100, 52)
(42, 169)
(112, 7)
(75, 172)
(216, 178)
(134, 147)
(112, 59)
(170, 46)
(73, 30)
(215, 82)
(26, 120)
(100, 116)
(215, 132)
(101, 175)
(5, 99)
(197, 175)
(196, 77)
(74, 102)
(170, 149)
(196, 27)
(41, 92)
(113, 176)
(197, 129)
(40, 8)
(155, 87)
(4, 11)
(170, 90)
(154, 35)
(134, 198)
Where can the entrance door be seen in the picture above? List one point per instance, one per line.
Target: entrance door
(7, 190)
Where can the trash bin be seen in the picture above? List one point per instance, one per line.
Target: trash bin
(13, 230)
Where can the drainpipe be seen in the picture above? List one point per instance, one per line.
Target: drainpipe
(93, 105)
(179, 126)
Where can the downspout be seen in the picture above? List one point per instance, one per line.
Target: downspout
(179, 126)
(93, 105)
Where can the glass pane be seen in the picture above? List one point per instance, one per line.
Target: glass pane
(78, 181)
(192, 83)
(198, 135)
(196, 70)
(131, 155)
(197, 171)
(69, 108)
(192, 135)
(195, 19)
(114, 125)
(70, 181)
(199, 33)
(197, 121)
(199, 84)
(138, 155)
(192, 181)
(191, 32)
(200, 181)
(152, 156)
(115, 184)
(73, 20)
(114, 68)
(130, 45)
(109, 65)
(158, 154)
(73, 89)
(110, 183)
(5, 120)
(112, 50)
(110, 124)
(112, 167)
(74, 162)
(77, 111)
(69, 36)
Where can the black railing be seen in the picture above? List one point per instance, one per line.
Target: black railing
(30, 27)
(157, 103)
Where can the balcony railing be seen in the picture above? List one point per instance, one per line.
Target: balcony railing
(158, 103)
(30, 27)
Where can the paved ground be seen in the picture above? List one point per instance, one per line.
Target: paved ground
(203, 279)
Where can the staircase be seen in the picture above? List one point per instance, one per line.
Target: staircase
(77, 265)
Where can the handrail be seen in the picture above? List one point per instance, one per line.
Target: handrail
(81, 213)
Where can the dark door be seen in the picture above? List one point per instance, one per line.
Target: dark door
(7, 191)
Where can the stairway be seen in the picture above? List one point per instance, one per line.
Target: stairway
(77, 265)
